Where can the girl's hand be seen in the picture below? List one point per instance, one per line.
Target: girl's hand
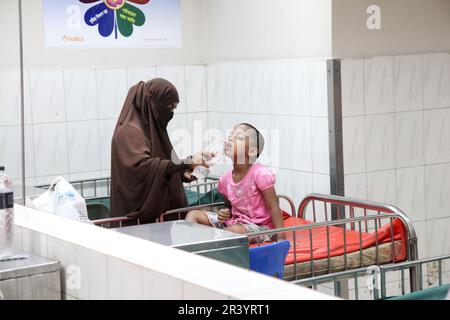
(223, 214)
(281, 236)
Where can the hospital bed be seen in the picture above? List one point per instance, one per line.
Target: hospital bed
(332, 234)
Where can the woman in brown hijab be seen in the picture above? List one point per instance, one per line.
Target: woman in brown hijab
(146, 174)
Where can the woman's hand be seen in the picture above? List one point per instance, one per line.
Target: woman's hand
(223, 214)
(188, 177)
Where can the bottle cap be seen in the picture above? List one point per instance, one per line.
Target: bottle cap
(2, 168)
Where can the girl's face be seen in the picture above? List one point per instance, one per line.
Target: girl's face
(237, 145)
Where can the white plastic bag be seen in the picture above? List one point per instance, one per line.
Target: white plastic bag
(62, 199)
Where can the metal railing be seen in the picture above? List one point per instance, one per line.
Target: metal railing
(379, 277)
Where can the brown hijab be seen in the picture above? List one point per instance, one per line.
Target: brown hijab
(141, 152)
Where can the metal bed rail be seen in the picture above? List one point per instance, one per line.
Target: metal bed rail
(377, 282)
(90, 189)
(375, 216)
(107, 223)
(218, 204)
(209, 185)
(99, 189)
(111, 222)
(202, 188)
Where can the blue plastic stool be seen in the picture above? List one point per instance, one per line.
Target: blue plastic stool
(269, 259)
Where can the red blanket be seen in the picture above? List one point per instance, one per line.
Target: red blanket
(319, 240)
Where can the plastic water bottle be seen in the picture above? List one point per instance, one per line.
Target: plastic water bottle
(6, 214)
(201, 172)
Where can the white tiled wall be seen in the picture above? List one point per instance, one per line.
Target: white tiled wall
(287, 102)
(73, 112)
(396, 112)
(71, 115)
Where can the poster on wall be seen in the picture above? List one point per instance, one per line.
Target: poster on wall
(112, 23)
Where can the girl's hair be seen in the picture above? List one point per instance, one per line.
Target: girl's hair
(257, 137)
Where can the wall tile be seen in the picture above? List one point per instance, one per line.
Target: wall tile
(297, 154)
(124, 280)
(64, 252)
(409, 148)
(112, 90)
(436, 76)
(80, 94)
(50, 149)
(240, 95)
(94, 277)
(34, 242)
(356, 185)
(47, 96)
(283, 182)
(157, 286)
(297, 89)
(299, 184)
(421, 233)
(380, 142)
(411, 192)
(10, 157)
(318, 88)
(379, 85)
(437, 135)
(213, 87)
(196, 88)
(320, 145)
(381, 186)
(276, 72)
(352, 82)
(321, 183)
(179, 134)
(408, 82)
(83, 146)
(354, 145)
(259, 88)
(438, 237)
(10, 98)
(136, 75)
(197, 137)
(437, 190)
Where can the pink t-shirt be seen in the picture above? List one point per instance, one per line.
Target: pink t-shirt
(246, 197)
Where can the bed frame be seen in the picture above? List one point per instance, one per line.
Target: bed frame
(351, 214)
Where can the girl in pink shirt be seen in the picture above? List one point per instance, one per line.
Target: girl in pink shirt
(248, 189)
